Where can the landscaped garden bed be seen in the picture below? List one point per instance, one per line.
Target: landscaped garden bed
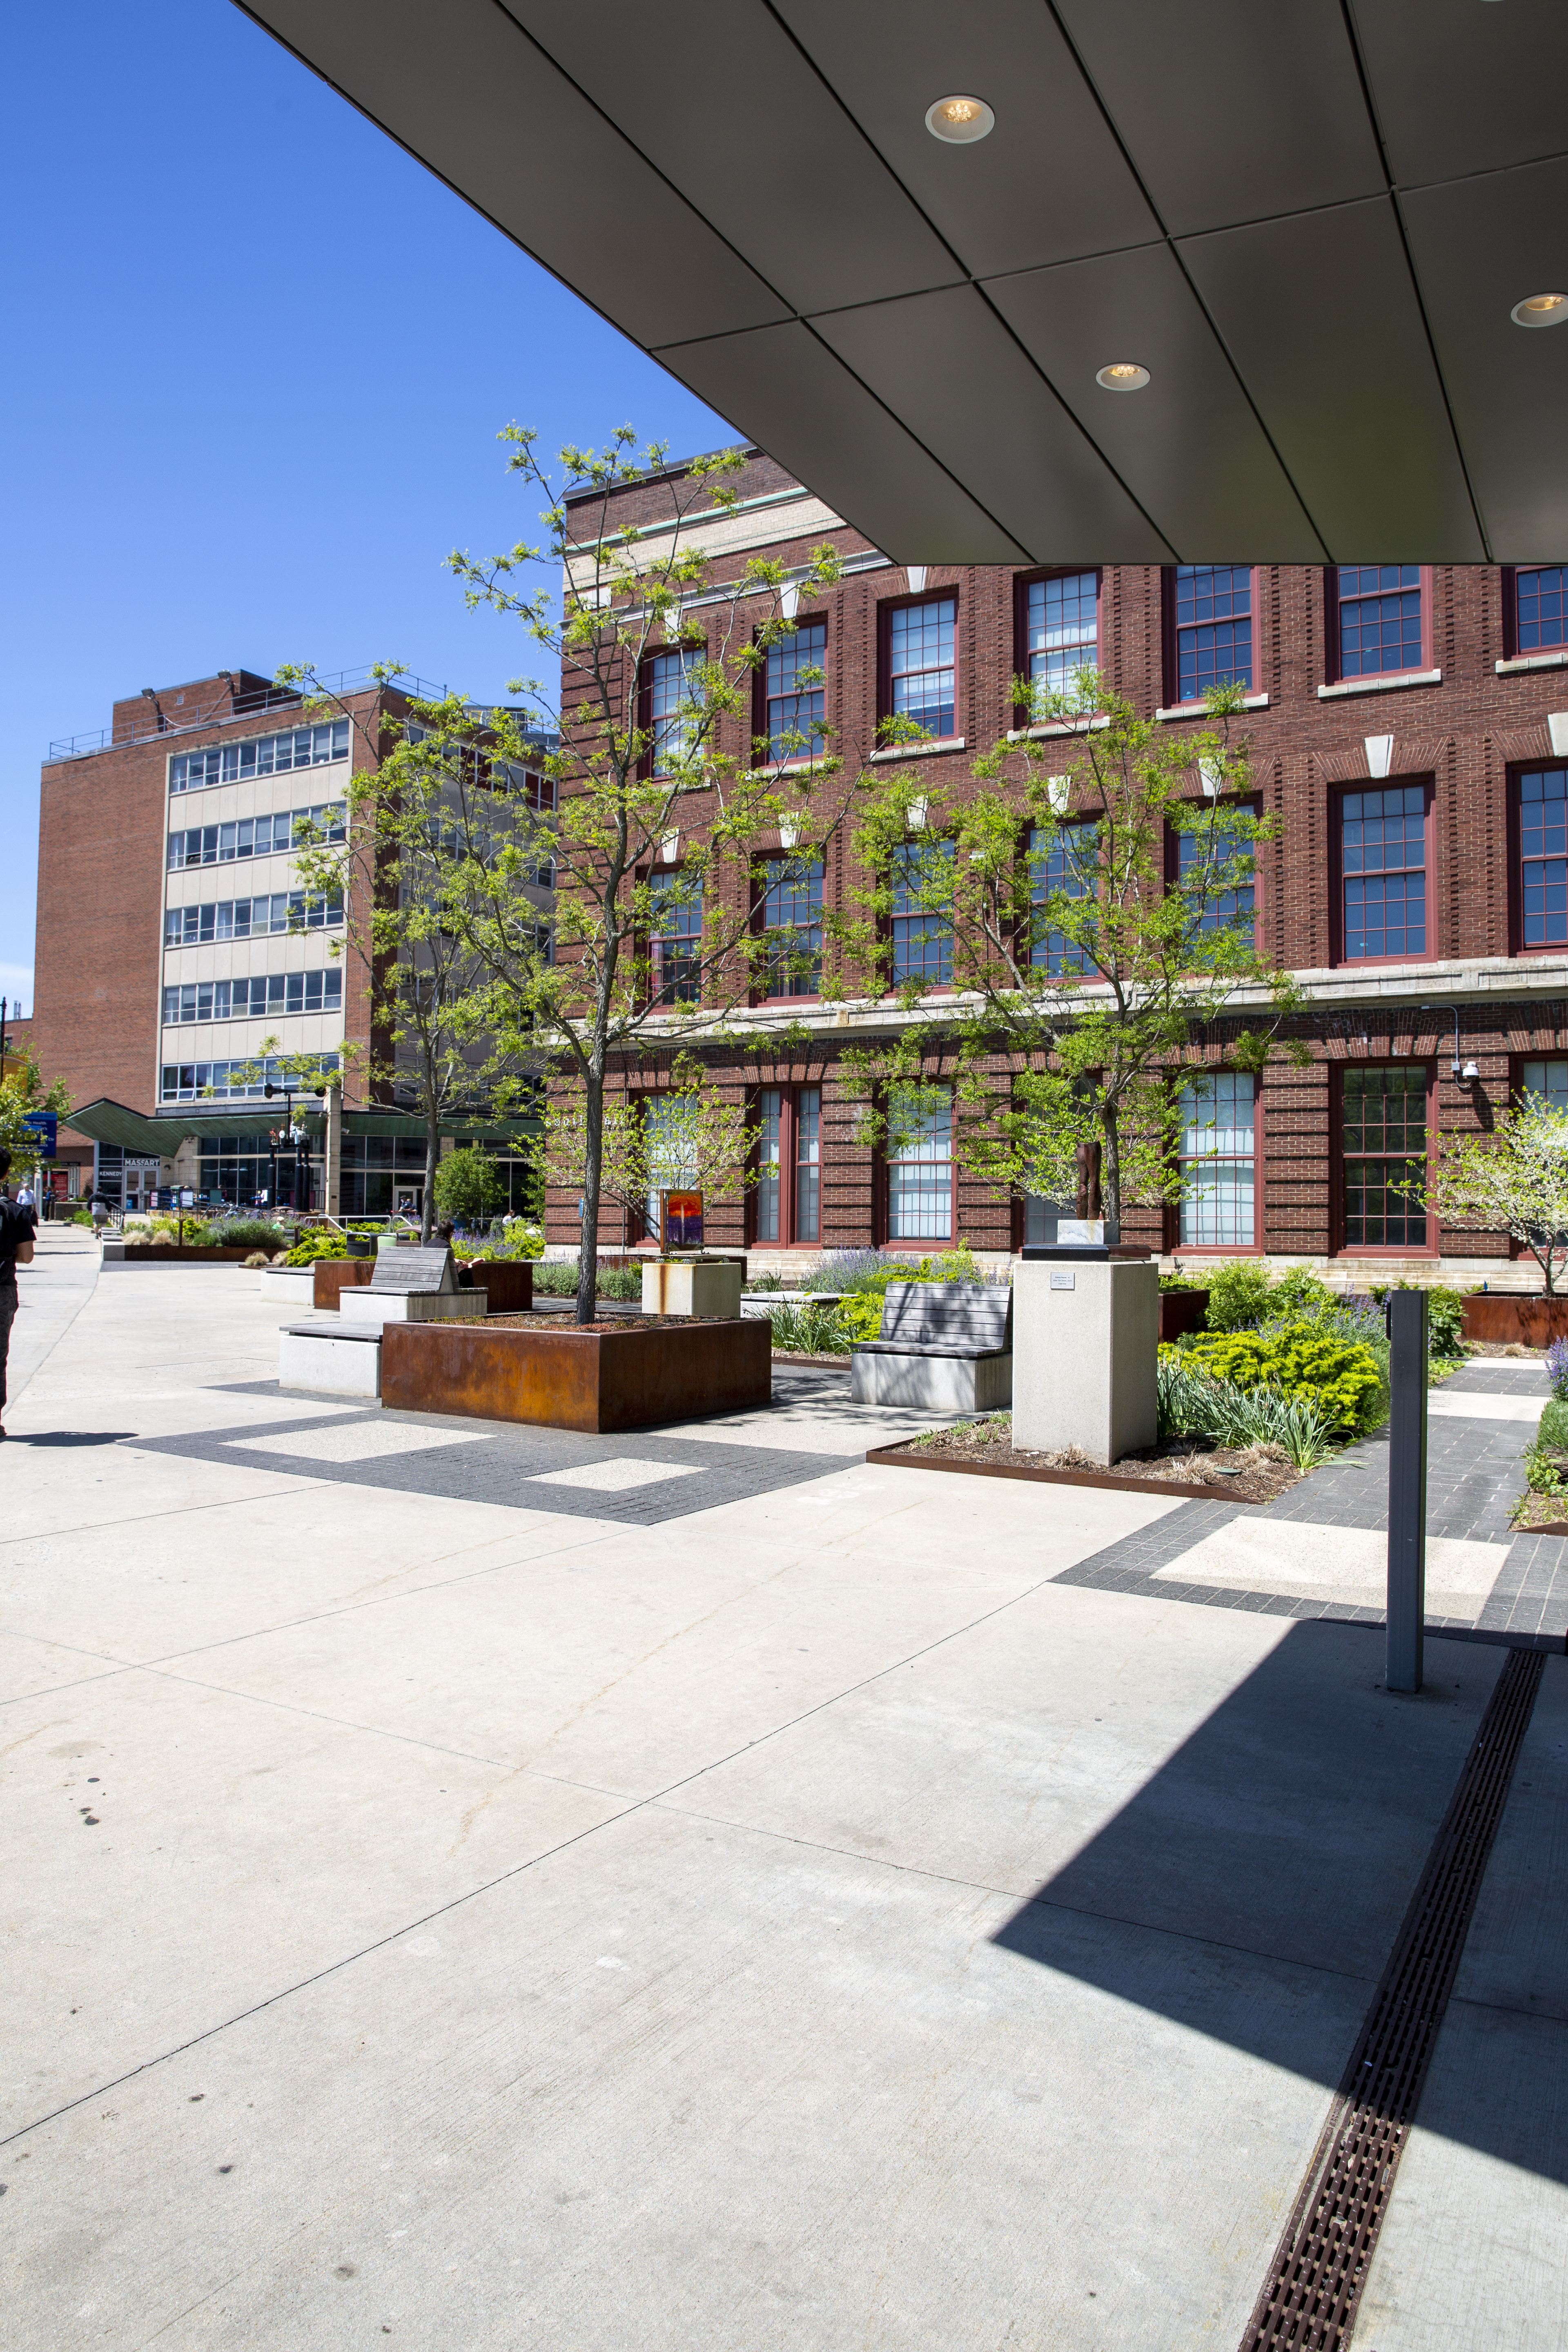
(1184, 1467)
(595, 1378)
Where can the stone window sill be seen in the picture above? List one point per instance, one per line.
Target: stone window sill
(1558, 660)
(1381, 683)
(922, 751)
(1200, 709)
(1056, 727)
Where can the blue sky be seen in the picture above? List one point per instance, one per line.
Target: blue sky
(258, 361)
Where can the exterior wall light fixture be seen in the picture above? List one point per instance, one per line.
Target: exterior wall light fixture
(1123, 376)
(1541, 311)
(959, 121)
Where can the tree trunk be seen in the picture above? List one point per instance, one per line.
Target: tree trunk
(593, 1161)
(1110, 1172)
(432, 1159)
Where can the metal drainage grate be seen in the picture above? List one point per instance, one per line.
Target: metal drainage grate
(1309, 2300)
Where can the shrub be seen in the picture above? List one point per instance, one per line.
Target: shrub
(1194, 1405)
(1300, 1359)
(1238, 1295)
(1557, 1367)
(809, 1328)
(861, 1317)
(1554, 1427)
(1445, 1315)
(1181, 1282)
(257, 1258)
(321, 1241)
(867, 1270)
(1299, 1293)
(244, 1233)
(1542, 1471)
(557, 1279)
(467, 1185)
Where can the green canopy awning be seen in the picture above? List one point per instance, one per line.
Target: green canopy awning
(104, 1121)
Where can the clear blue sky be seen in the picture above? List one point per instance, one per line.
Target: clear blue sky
(257, 361)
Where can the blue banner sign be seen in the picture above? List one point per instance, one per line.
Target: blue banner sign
(46, 1125)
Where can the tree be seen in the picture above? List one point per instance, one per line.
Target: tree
(1080, 974)
(433, 802)
(23, 1094)
(656, 647)
(685, 1136)
(468, 1185)
(1513, 1181)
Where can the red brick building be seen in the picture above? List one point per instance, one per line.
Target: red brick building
(1409, 725)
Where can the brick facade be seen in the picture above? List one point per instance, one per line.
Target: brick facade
(1465, 736)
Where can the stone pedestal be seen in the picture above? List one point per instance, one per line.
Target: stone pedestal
(692, 1286)
(1086, 1329)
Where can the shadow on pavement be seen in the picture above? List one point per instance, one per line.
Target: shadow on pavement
(1292, 1828)
(72, 1437)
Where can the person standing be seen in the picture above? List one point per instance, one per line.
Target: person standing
(18, 1226)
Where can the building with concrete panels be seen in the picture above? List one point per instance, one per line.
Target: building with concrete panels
(1408, 724)
(173, 939)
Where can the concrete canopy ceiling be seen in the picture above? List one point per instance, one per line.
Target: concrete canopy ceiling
(1308, 219)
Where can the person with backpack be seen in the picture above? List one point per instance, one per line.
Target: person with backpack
(18, 1226)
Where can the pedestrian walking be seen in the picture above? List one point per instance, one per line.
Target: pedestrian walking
(18, 1226)
(100, 1213)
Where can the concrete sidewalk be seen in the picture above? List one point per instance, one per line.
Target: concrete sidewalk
(787, 1915)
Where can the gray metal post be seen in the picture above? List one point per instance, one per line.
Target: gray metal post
(1406, 1487)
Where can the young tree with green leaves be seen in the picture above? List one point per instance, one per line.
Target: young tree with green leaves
(23, 1094)
(1081, 972)
(661, 790)
(468, 1185)
(1513, 1181)
(687, 1135)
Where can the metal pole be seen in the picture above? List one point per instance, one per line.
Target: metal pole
(1406, 1487)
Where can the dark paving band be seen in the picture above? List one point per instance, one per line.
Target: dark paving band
(1314, 2284)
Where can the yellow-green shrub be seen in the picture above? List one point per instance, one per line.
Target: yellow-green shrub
(1295, 1360)
(861, 1316)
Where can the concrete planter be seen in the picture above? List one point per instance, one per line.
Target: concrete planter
(335, 1274)
(293, 1286)
(692, 1286)
(1523, 1319)
(1181, 1311)
(594, 1381)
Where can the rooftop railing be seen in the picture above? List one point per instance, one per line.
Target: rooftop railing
(243, 706)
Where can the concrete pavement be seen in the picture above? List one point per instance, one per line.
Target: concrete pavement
(536, 1903)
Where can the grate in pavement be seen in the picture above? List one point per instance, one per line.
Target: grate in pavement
(1309, 2300)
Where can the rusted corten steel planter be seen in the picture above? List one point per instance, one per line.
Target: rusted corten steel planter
(893, 1457)
(594, 1381)
(169, 1254)
(1181, 1310)
(508, 1280)
(336, 1274)
(1527, 1320)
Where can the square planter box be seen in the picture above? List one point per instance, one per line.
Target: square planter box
(1181, 1310)
(508, 1283)
(1527, 1320)
(335, 1274)
(596, 1381)
(692, 1286)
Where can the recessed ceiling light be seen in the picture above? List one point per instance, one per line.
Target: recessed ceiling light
(1541, 311)
(1124, 376)
(959, 119)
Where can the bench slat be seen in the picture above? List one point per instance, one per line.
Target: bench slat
(414, 1269)
(964, 1317)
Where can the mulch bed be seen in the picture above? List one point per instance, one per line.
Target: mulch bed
(1505, 1347)
(1539, 1515)
(1184, 1467)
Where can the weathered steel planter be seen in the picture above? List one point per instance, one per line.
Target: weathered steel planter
(596, 1381)
(172, 1255)
(507, 1281)
(1181, 1310)
(893, 1457)
(1523, 1319)
(334, 1274)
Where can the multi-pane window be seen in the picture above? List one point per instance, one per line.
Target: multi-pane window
(1540, 607)
(675, 938)
(796, 710)
(789, 916)
(671, 714)
(1543, 858)
(922, 664)
(1064, 863)
(1214, 628)
(1383, 1145)
(1062, 623)
(189, 1081)
(1382, 869)
(789, 1162)
(253, 1000)
(1379, 618)
(1547, 1080)
(1218, 1163)
(261, 755)
(921, 929)
(256, 836)
(249, 919)
(1202, 854)
(919, 1168)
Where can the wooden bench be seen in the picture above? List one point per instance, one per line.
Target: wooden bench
(413, 1285)
(945, 1346)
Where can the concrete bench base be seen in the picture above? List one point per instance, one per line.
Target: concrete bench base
(932, 1383)
(293, 1286)
(330, 1358)
(369, 1309)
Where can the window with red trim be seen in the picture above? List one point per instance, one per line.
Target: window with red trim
(1540, 607)
(920, 661)
(1382, 1156)
(1541, 814)
(1211, 605)
(1060, 629)
(1378, 619)
(1383, 874)
(787, 1202)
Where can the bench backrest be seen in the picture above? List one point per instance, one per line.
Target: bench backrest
(414, 1269)
(948, 1314)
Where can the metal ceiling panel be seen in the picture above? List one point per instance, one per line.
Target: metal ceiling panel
(1049, 184)
(832, 227)
(1231, 111)
(1320, 316)
(946, 362)
(1480, 246)
(806, 409)
(1188, 446)
(465, 90)
(1475, 89)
